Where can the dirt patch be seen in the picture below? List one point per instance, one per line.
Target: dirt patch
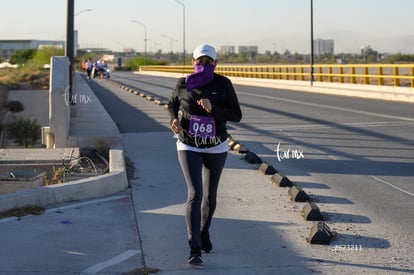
(24, 211)
(143, 271)
(24, 78)
(39, 83)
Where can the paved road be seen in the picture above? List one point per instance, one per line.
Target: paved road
(356, 154)
(341, 135)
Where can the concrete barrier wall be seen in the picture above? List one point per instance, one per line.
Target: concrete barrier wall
(59, 109)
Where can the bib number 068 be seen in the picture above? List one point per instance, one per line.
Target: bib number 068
(202, 126)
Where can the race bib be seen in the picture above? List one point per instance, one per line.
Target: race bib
(201, 126)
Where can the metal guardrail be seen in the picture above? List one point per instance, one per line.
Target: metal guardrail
(397, 75)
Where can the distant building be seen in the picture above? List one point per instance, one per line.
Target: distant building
(128, 50)
(227, 50)
(9, 47)
(323, 46)
(249, 49)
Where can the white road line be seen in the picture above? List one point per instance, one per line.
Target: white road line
(346, 110)
(393, 186)
(323, 126)
(329, 107)
(100, 266)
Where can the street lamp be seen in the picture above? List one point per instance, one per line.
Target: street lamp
(171, 41)
(155, 44)
(75, 37)
(82, 11)
(181, 3)
(145, 38)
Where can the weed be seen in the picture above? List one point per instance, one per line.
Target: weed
(24, 131)
(15, 106)
(58, 176)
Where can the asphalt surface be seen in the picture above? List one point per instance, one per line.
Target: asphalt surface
(339, 135)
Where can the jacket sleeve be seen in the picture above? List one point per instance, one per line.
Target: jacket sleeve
(230, 110)
(174, 102)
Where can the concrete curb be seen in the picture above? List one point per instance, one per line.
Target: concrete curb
(295, 193)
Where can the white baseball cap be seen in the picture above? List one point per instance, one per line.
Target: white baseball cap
(205, 50)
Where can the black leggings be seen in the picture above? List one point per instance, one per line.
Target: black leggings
(202, 196)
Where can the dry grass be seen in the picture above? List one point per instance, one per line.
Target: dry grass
(25, 78)
(24, 211)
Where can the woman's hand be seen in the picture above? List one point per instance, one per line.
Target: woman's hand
(176, 127)
(205, 104)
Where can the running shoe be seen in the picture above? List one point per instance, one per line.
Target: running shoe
(195, 256)
(206, 244)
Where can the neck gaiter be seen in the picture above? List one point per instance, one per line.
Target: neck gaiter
(204, 74)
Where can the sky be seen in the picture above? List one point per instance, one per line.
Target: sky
(274, 25)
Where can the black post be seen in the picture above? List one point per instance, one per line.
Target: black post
(311, 54)
(70, 49)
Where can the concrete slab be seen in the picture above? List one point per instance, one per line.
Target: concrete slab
(37, 155)
(35, 103)
(88, 237)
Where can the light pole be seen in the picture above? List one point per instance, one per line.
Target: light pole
(182, 4)
(70, 41)
(76, 46)
(155, 44)
(171, 42)
(145, 38)
(311, 53)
